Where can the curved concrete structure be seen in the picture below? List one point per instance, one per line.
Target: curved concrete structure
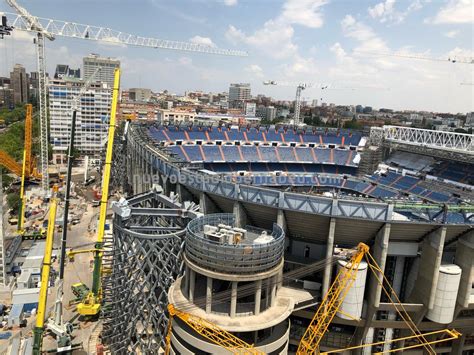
(408, 240)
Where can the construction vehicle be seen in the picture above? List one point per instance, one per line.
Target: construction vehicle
(90, 304)
(50, 29)
(327, 310)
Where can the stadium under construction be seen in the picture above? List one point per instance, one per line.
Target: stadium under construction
(247, 227)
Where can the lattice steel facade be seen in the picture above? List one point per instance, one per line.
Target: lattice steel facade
(140, 263)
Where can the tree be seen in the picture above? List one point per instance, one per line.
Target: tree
(14, 200)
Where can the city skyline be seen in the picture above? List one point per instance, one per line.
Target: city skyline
(314, 41)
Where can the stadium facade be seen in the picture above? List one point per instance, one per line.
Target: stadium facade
(327, 190)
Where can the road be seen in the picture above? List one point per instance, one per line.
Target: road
(78, 271)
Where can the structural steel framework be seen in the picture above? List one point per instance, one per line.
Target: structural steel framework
(455, 142)
(104, 34)
(143, 152)
(141, 261)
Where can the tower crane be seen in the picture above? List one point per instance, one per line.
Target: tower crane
(50, 29)
(450, 59)
(299, 87)
(41, 34)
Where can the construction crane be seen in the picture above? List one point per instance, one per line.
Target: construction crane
(327, 310)
(49, 28)
(28, 162)
(45, 272)
(211, 332)
(299, 87)
(450, 59)
(330, 305)
(41, 34)
(90, 305)
(61, 329)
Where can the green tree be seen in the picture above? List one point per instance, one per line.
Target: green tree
(13, 200)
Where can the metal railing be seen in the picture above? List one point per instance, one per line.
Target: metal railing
(235, 258)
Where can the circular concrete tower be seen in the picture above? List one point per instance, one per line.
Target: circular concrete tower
(232, 279)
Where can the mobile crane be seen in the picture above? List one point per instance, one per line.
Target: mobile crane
(90, 304)
(45, 271)
(327, 310)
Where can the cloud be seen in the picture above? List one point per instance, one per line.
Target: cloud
(455, 12)
(451, 34)
(303, 12)
(385, 11)
(301, 68)
(206, 41)
(255, 70)
(230, 2)
(367, 38)
(274, 39)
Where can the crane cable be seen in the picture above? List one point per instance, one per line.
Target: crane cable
(406, 318)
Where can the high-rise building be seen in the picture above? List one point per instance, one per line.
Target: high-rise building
(107, 68)
(19, 84)
(92, 115)
(63, 70)
(238, 94)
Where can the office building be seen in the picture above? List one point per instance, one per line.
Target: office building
(19, 84)
(107, 68)
(92, 115)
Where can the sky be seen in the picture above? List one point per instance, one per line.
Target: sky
(342, 43)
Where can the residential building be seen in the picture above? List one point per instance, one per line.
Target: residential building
(92, 115)
(19, 84)
(139, 94)
(138, 110)
(250, 109)
(6, 97)
(238, 94)
(175, 116)
(107, 68)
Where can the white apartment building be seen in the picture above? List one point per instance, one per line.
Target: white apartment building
(91, 120)
(107, 68)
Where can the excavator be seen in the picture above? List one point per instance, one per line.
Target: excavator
(327, 310)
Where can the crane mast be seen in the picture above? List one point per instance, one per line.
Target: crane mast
(36, 27)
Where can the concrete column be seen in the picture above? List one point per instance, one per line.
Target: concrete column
(258, 296)
(281, 220)
(379, 252)
(186, 280)
(240, 215)
(465, 260)
(183, 192)
(273, 280)
(329, 252)
(428, 273)
(192, 283)
(209, 295)
(206, 205)
(458, 345)
(233, 300)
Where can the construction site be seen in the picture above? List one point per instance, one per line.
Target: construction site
(189, 238)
